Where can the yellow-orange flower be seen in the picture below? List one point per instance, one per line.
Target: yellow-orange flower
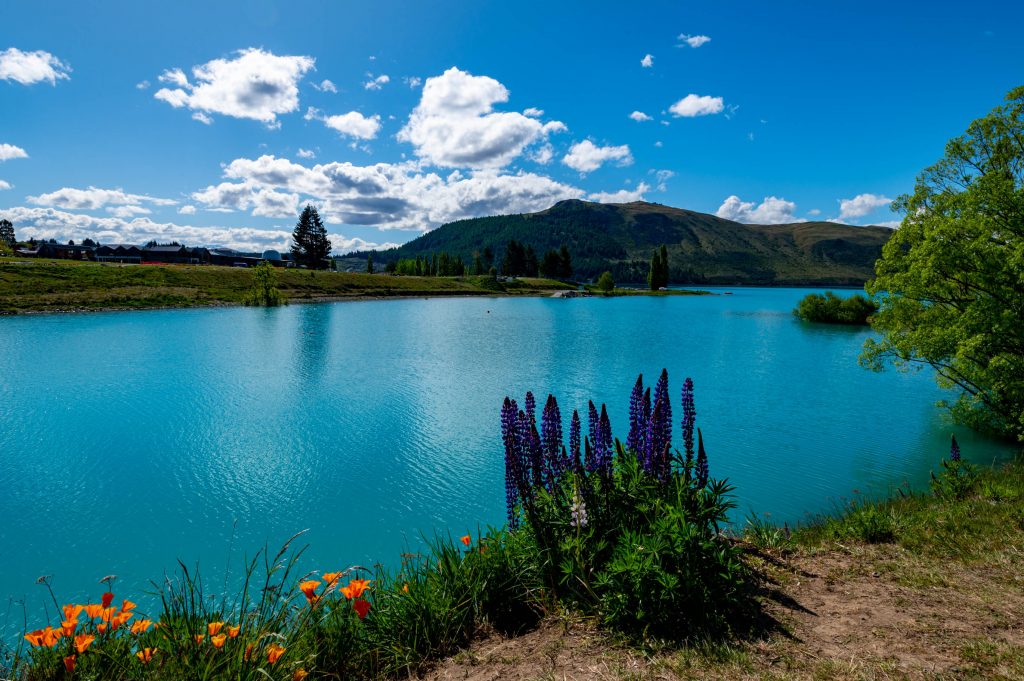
(108, 598)
(233, 631)
(355, 588)
(102, 628)
(121, 618)
(93, 610)
(67, 627)
(199, 638)
(465, 539)
(69, 664)
(35, 637)
(330, 578)
(309, 588)
(127, 605)
(140, 626)
(248, 651)
(218, 640)
(106, 614)
(71, 612)
(214, 627)
(47, 637)
(405, 588)
(274, 653)
(299, 675)
(83, 641)
(145, 655)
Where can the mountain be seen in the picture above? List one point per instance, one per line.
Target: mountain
(703, 249)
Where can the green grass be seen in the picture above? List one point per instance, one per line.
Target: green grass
(50, 286)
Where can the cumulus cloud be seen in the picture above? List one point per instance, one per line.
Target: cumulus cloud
(413, 81)
(9, 151)
(533, 112)
(305, 153)
(640, 116)
(255, 84)
(94, 198)
(4, 185)
(325, 86)
(543, 155)
(771, 211)
(861, 205)
(662, 177)
(693, 40)
(621, 196)
(648, 61)
(187, 210)
(28, 68)
(586, 156)
(696, 105)
(142, 85)
(352, 124)
(263, 201)
(454, 124)
(376, 83)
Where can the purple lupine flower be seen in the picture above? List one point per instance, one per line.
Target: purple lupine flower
(661, 392)
(636, 425)
(593, 424)
(530, 406)
(701, 474)
(530, 455)
(551, 437)
(574, 442)
(954, 450)
(508, 436)
(603, 455)
(588, 455)
(655, 444)
(689, 418)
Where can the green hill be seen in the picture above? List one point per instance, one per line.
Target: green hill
(703, 249)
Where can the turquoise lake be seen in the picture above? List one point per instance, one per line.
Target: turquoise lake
(130, 440)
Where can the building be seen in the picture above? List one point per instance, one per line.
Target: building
(175, 255)
(124, 253)
(63, 251)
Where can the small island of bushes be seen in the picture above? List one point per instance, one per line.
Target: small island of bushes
(831, 309)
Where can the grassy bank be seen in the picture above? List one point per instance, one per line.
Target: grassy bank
(52, 286)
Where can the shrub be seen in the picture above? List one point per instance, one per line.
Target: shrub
(605, 283)
(832, 309)
(957, 478)
(264, 287)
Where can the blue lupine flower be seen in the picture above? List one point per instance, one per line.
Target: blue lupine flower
(508, 436)
(954, 450)
(603, 455)
(689, 418)
(656, 444)
(574, 442)
(636, 425)
(551, 438)
(701, 474)
(661, 392)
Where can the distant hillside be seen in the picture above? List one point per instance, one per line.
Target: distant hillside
(703, 249)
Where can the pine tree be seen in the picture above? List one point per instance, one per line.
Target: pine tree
(310, 245)
(566, 262)
(7, 233)
(369, 263)
(657, 276)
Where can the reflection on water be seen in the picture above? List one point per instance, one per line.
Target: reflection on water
(129, 440)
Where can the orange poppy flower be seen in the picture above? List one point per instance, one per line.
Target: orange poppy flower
(106, 614)
(274, 653)
(361, 607)
(102, 628)
(309, 588)
(145, 655)
(121, 619)
(214, 628)
(248, 652)
(127, 605)
(69, 664)
(218, 640)
(93, 610)
(35, 637)
(199, 638)
(71, 612)
(299, 675)
(233, 631)
(44, 637)
(68, 627)
(108, 598)
(331, 577)
(405, 588)
(355, 588)
(465, 539)
(83, 641)
(140, 626)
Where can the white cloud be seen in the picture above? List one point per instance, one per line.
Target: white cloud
(663, 176)
(533, 112)
(454, 124)
(640, 116)
(696, 105)
(771, 211)
(9, 151)
(543, 155)
(648, 61)
(4, 185)
(814, 211)
(352, 124)
(28, 68)
(305, 153)
(245, 195)
(693, 40)
(325, 86)
(861, 205)
(659, 144)
(586, 156)
(187, 210)
(143, 85)
(413, 81)
(255, 84)
(202, 118)
(128, 212)
(621, 196)
(94, 198)
(376, 83)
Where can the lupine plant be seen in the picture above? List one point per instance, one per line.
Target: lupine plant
(628, 532)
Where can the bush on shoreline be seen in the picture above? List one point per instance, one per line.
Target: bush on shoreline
(831, 309)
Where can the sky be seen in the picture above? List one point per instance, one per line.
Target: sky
(213, 123)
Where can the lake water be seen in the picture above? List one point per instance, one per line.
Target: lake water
(129, 440)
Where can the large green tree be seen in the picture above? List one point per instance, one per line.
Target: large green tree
(7, 233)
(310, 245)
(951, 280)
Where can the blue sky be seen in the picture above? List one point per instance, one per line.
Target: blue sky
(212, 123)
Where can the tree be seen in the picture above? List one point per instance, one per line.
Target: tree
(264, 287)
(657, 276)
(310, 245)
(606, 283)
(551, 265)
(7, 233)
(950, 280)
(369, 263)
(566, 262)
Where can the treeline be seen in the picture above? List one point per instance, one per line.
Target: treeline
(438, 265)
(521, 261)
(518, 260)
